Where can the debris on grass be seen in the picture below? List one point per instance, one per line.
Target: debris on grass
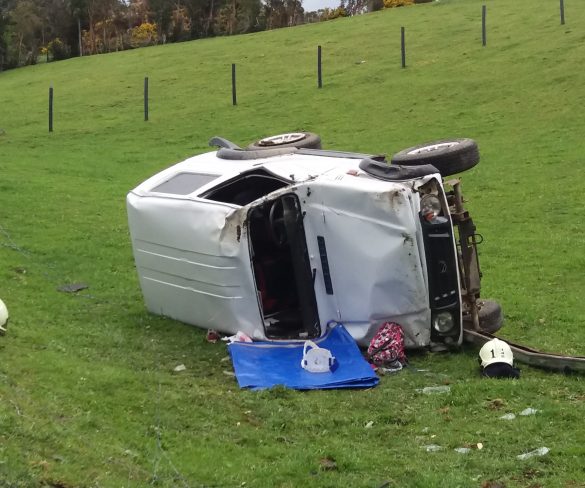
(467, 448)
(496, 404)
(229, 373)
(369, 425)
(328, 464)
(212, 336)
(73, 287)
(462, 450)
(493, 484)
(431, 390)
(541, 451)
(508, 416)
(179, 368)
(238, 337)
(433, 448)
(528, 411)
(396, 367)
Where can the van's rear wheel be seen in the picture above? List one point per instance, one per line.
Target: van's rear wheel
(490, 314)
(448, 156)
(306, 140)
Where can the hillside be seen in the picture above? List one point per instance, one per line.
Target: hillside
(87, 393)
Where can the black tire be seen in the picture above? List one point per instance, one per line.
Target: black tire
(306, 140)
(449, 156)
(491, 317)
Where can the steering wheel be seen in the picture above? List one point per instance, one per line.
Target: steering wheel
(276, 223)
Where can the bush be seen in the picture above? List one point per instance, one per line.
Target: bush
(57, 49)
(143, 35)
(397, 3)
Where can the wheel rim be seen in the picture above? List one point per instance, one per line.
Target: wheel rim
(433, 147)
(288, 138)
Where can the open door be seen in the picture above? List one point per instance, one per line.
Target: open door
(282, 269)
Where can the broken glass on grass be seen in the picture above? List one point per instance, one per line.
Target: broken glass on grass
(541, 451)
(433, 390)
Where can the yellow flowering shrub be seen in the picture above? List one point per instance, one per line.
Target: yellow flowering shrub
(143, 35)
(397, 3)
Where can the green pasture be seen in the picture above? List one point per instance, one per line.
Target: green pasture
(88, 396)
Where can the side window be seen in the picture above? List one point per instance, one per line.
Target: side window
(246, 188)
(184, 183)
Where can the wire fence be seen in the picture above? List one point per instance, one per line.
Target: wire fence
(319, 65)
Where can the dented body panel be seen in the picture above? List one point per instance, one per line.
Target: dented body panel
(371, 232)
(267, 246)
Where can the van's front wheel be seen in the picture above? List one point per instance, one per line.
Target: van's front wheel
(490, 314)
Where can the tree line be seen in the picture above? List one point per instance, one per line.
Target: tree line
(58, 29)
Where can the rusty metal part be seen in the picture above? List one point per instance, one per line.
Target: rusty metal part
(470, 272)
(532, 357)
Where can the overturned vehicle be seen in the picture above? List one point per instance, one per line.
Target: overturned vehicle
(281, 238)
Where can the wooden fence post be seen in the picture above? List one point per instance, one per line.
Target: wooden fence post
(319, 72)
(146, 99)
(234, 99)
(402, 47)
(51, 108)
(483, 32)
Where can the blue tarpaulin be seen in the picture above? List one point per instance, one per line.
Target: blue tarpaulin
(260, 365)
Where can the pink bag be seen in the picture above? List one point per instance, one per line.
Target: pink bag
(387, 345)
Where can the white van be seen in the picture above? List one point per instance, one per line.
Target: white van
(280, 239)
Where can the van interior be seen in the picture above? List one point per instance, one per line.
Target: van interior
(284, 279)
(278, 251)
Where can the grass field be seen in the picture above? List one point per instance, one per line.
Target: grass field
(88, 396)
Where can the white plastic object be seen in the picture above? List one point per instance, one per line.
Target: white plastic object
(242, 337)
(238, 337)
(3, 317)
(316, 359)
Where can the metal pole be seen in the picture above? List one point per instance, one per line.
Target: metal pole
(562, 12)
(483, 33)
(146, 99)
(51, 109)
(234, 99)
(319, 72)
(402, 47)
